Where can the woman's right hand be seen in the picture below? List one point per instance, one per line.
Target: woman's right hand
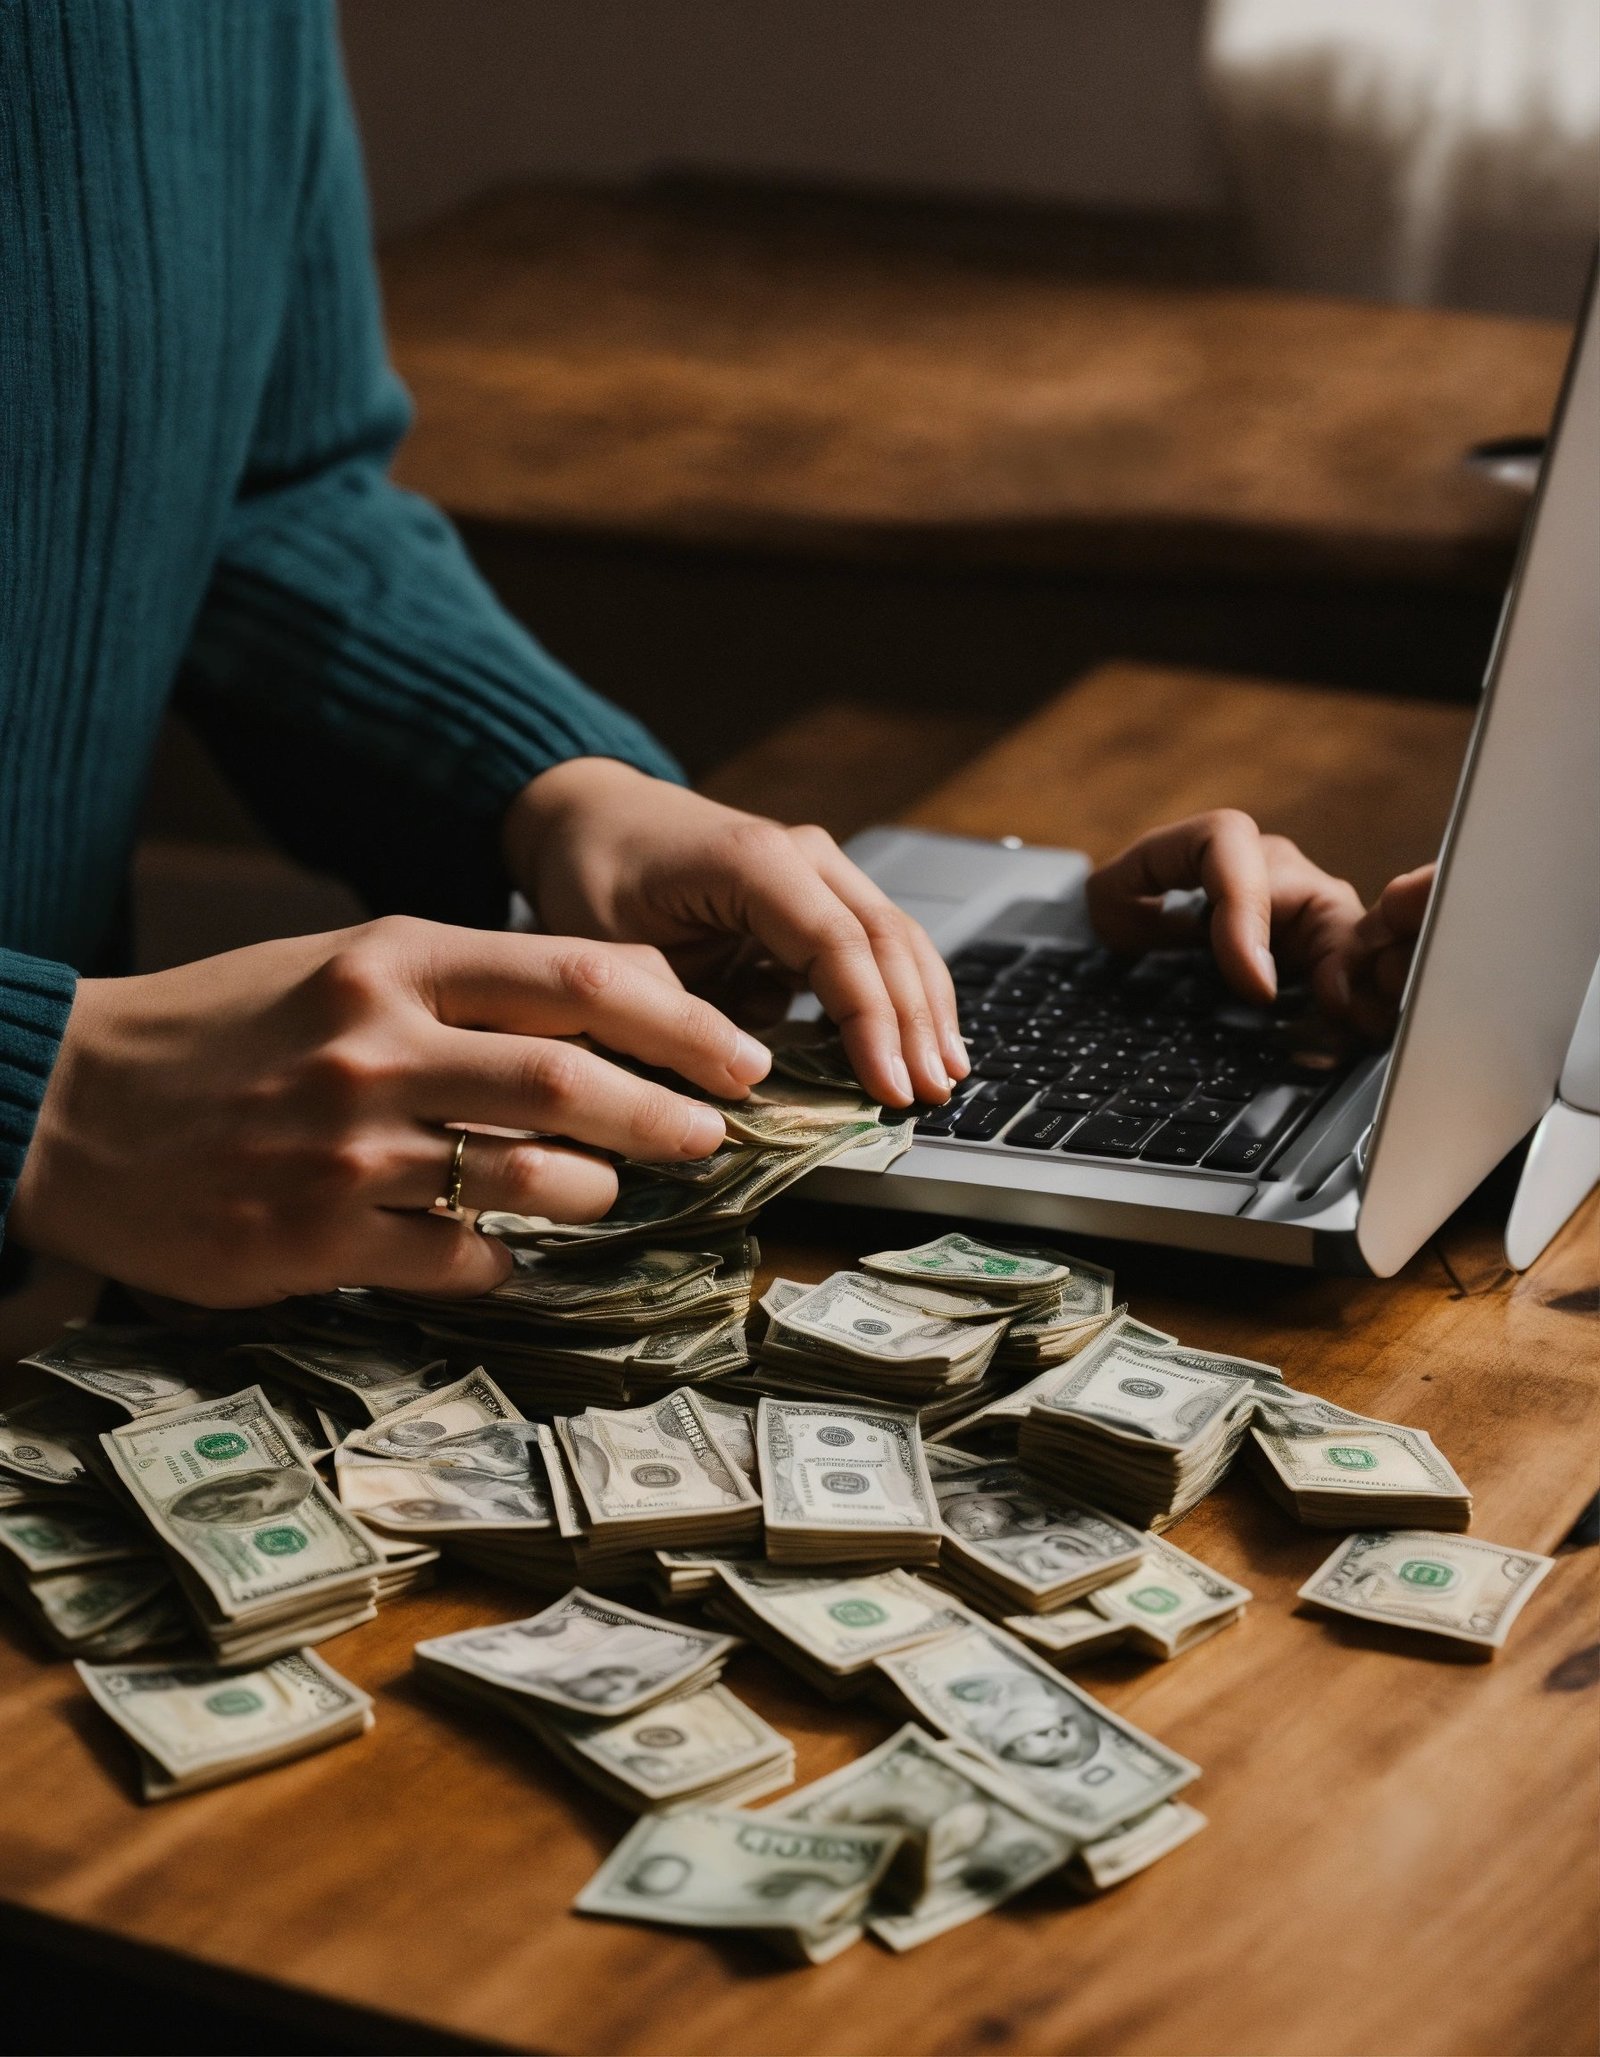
(273, 1121)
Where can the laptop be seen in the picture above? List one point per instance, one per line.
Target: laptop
(1139, 1098)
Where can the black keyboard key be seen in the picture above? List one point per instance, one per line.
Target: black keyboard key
(1131, 1101)
(1112, 1135)
(980, 1121)
(1009, 1092)
(1178, 1142)
(941, 1121)
(1043, 1129)
(1212, 1114)
(1072, 1099)
(1229, 1087)
(1260, 1129)
(996, 1065)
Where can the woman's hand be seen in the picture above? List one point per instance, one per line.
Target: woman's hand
(603, 850)
(1379, 949)
(273, 1121)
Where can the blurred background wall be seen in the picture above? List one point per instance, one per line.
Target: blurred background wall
(1089, 102)
(1421, 150)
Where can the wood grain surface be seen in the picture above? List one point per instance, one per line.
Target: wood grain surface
(1401, 1860)
(1363, 782)
(636, 366)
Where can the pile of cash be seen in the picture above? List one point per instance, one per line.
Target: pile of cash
(196, 1725)
(1432, 1583)
(1334, 1469)
(969, 1839)
(1082, 1768)
(72, 1561)
(1009, 1541)
(1140, 1425)
(830, 1630)
(855, 1334)
(1169, 1602)
(626, 1700)
(1053, 1303)
(265, 1554)
(844, 1485)
(655, 1477)
(598, 1327)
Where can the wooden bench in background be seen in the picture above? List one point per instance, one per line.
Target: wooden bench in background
(732, 456)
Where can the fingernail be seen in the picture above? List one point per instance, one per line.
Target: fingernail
(1264, 964)
(901, 1079)
(750, 1060)
(704, 1132)
(955, 1056)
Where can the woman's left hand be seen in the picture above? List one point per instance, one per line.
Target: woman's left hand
(606, 851)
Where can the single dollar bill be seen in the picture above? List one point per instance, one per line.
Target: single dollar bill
(133, 1368)
(842, 1483)
(1014, 1270)
(971, 1841)
(196, 1725)
(1438, 1583)
(584, 1655)
(224, 1487)
(1085, 1768)
(721, 1868)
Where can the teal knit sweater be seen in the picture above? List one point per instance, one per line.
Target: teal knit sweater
(195, 419)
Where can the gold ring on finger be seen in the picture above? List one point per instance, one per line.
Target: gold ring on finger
(449, 1201)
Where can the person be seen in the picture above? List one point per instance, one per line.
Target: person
(195, 423)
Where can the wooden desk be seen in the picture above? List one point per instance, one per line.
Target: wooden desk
(1401, 1857)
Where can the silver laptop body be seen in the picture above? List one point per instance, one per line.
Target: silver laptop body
(1349, 1172)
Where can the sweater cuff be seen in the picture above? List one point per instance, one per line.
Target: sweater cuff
(35, 1000)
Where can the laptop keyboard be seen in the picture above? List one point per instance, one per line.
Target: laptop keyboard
(1150, 1058)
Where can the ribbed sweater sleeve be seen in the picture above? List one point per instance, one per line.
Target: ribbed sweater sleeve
(355, 674)
(35, 1000)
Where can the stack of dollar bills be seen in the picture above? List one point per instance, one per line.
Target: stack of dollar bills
(600, 1327)
(828, 1628)
(655, 1477)
(1013, 1543)
(1082, 1768)
(1432, 1583)
(1334, 1469)
(626, 1700)
(1052, 1303)
(785, 1129)
(857, 1334)
(844, 1484)
(265, 1554)
(195, 1725)
(72, 1561)
(1140, 1425)
(1161, 1608)
(800, 1890)
(969, 1839)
